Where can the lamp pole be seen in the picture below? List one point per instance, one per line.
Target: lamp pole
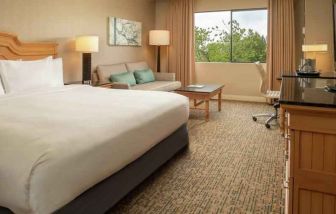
(86, 62)
(159, 60)
(159, 38)
(87, 45)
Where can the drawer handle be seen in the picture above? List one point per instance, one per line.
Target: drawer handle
(286, 155)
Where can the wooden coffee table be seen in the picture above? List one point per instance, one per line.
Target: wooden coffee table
(203, 95)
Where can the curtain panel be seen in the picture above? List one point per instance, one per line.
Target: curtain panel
(180, 22)
(281, 40)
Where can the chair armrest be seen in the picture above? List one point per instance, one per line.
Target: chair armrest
(118, 85)
(164, 76)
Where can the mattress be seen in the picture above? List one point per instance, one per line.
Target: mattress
(58, 143)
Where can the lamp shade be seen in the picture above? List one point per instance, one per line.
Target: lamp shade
(159, 37)
(315, 48)
(87, 44)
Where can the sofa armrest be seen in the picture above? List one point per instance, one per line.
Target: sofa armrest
(164, 76)
(118, 85)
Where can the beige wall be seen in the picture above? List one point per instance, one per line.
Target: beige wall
(319, 29)
(242, 80)
(213, 5)
(63, 20)
(299, 16)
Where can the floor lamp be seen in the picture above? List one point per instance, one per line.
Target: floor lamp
(159, 38)
(87, 45)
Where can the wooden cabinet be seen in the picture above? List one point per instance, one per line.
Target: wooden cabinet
(310, 179)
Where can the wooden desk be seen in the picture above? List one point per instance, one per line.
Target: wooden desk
(310, 142)
(310, 181)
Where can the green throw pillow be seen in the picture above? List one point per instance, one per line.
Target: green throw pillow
(144, 76)
(126, 77)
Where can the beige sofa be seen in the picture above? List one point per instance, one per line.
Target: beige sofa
(163, 81)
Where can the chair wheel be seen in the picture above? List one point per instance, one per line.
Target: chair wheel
(254, 118)
(268, 125)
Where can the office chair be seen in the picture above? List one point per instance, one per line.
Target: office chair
(274, 95)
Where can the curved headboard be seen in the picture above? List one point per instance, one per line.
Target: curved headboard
(11, 48)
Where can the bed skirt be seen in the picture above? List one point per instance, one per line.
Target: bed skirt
(104, 195)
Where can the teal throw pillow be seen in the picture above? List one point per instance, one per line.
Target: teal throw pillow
(144, 76)
(125, 77)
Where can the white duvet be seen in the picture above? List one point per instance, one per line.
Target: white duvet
(56, 144)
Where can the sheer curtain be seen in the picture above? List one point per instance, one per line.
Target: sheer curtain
(180, 22)
(281, 40)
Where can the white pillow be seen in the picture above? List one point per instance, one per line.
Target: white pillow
(2, 91)
(18, 76)
(56, 78)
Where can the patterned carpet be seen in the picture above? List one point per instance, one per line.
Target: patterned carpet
(233, 165)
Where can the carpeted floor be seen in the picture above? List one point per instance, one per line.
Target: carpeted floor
(233, 165)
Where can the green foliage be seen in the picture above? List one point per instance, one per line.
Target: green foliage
(219, 52)
(202, 37)
(214, 44)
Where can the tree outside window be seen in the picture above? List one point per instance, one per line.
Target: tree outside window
(231, 36)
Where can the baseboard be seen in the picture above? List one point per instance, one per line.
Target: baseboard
(244, 98)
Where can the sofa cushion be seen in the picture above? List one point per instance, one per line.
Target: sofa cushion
(158, 86)
(126, 77)
(144, 76)
(134, 66)
(105, 71)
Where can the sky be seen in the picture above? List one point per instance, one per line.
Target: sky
(256, 19)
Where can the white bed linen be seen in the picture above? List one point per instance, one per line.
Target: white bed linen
(56, 75)
(19, 76)
(56, 144)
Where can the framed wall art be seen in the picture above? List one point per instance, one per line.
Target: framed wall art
(124, 32)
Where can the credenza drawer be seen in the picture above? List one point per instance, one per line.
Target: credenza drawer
(310, 176)
(313, 202)
(289, 155)
(288, 185)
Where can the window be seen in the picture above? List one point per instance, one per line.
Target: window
(231, 36)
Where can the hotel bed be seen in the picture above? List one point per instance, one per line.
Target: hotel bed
(80, 149)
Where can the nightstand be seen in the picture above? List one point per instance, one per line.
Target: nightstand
(94, 84)
(74, 83)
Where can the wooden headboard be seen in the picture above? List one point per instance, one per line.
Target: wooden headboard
(11, 49)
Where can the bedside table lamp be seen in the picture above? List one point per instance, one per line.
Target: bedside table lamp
(311, 63)
(87, 45)
(159, 38)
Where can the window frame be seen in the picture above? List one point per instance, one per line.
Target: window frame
(231, 43)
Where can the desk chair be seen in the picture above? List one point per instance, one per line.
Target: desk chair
(273, 95)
